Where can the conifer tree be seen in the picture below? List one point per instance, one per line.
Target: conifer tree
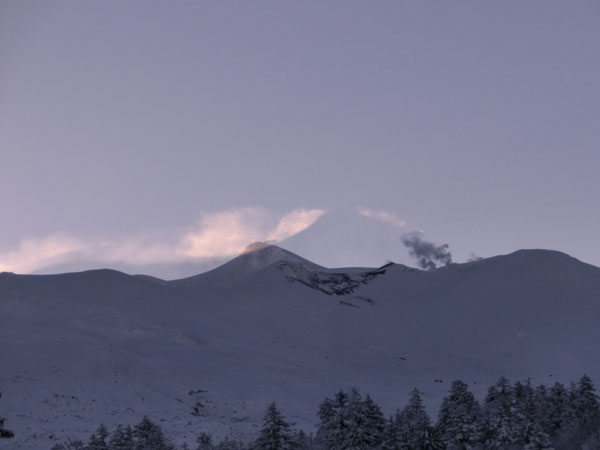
(414, 422)
(543, 409)
(353, 417)
(458, 419)
(302, 440)
(122, 439)
(332, 425)
(560, 412)
(349, 422)
(432, 440)
(586, 407)
(528, 430)
(584, 415)
(537, 438)
(374, 423)
(275, 433)
(391, 439)
(498, 429)
(363, 421)
(149, 436)
(98, 439)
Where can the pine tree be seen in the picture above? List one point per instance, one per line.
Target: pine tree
(275, 433)
(122, 439)
(349, 422)
(363, 421)
(325, 427)
(391, 437)
(332, 422)
(586, 407)
(584, 415)
(414, 423)
(98, 439)
(560, 413)
(498, 430)
(149, 436)
(543, 408)
(374, 423)
(303, 441)
(537, 438)
(528, 429)
(458, 419)
(432, 440)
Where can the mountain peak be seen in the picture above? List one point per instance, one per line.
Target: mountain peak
(258, 246)
(255, 257)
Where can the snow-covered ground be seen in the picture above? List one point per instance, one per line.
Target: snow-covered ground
(208, 353)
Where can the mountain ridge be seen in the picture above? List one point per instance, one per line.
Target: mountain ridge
(259, 255)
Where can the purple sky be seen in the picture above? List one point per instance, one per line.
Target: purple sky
(151, 134)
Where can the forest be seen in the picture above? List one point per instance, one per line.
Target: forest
(511, 416)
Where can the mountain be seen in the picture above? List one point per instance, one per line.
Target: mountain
(208, 353)
(164, 270)
(255, 257)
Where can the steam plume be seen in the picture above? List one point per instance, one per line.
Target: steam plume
(427, 254)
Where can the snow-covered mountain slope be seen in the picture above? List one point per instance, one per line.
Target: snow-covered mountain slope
(255, 257)
(210, 352)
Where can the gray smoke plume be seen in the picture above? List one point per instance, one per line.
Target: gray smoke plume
(427, 254)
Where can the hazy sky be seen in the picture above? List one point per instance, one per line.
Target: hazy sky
(146, 133)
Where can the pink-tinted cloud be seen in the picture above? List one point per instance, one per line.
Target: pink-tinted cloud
(215, 235)
(227, 233)
(32, 254)
(383, 216)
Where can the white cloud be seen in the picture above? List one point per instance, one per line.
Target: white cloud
(227, 233)
(383, 216)
(295, 222)
(136, 250)
(216, 235)
(35, 253)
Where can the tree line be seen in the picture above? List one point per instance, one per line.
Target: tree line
(511, 416)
